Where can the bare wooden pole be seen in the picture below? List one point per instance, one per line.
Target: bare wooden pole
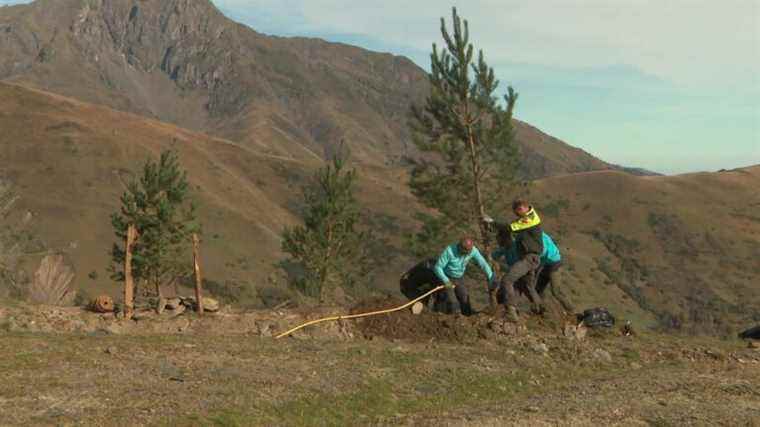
(129, 283)
(198, 280)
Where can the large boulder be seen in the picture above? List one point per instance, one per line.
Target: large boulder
(209, 304)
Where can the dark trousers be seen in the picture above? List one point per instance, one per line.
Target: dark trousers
(549, 277)
(523, 270)
(444, 305)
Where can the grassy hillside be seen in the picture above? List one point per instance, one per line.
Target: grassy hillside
(69, 162)
(685, 249)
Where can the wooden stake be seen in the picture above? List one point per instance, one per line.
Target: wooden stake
(129, 284)
(198, 281)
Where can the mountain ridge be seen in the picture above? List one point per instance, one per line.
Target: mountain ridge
(184, 62)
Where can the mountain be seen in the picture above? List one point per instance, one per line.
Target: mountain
(184, 62)
(680, 251)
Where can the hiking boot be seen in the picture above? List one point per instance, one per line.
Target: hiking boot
(466, 309)
(538, 309)
(512, 314)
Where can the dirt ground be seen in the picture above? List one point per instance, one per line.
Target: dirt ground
(391, 370)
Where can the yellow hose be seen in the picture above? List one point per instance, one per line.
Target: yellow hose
(354, 316)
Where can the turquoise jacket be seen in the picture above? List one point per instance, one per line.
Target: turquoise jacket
(453, 265)
(550, 254)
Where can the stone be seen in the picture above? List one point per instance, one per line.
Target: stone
(173, 303)
(176, 311)
(209, 304)
(540, 348)
(602, 355)
(111, 350)
(417, 308)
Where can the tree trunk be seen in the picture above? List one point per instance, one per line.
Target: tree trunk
(198, 280)
(129, 284)
(484, 234)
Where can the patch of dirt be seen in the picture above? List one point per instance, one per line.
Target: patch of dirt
(427, 326)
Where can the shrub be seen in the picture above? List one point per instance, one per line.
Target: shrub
(51, 282)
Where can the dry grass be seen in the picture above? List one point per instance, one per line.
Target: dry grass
(52, 282)
(230, 380)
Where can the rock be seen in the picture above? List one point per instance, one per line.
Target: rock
(209, 304)
(264, 328)
(540, 348)
(161, 305)
(635, 365)
(575, 332)
(602, 355)
(173, 303)
(179, 309)
(111, 350)
(417, 308)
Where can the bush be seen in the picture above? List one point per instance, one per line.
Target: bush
(51, 282)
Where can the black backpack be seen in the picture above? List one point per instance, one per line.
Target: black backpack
(751, 333)
(596, 317)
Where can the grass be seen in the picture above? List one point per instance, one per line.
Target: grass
(239, 381)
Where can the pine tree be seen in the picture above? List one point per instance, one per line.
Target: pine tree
(329, 249)
(471, 136)
(159, 207)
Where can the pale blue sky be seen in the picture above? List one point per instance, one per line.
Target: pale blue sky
(668, 85)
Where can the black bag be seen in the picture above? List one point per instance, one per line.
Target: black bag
(596, 317)
(419, 279)
(751, 333)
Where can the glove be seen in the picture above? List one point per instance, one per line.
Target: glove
(488, 222)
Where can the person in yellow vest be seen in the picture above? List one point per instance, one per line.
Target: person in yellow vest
(528, 237)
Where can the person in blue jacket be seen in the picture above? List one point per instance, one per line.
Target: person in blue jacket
(450, 268)
(547, 277)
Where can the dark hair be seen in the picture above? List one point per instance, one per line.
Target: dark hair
(519, 203)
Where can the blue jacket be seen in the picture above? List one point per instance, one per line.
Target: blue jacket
(451, 264)
(550, 254)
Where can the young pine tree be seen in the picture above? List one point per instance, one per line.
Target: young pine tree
(158, 205)
(470, 134)
(328, 248)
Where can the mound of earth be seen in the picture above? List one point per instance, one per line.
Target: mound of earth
(427, 326)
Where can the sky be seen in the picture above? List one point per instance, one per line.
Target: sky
(667, 85)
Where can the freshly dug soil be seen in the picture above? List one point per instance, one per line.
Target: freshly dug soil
(407, 326)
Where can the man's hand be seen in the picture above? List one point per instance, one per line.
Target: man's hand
(448, 286)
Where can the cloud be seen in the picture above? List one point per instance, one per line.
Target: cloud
(686, 41)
